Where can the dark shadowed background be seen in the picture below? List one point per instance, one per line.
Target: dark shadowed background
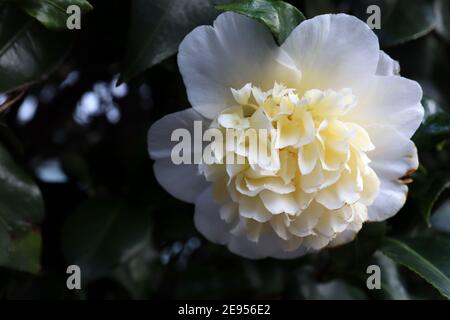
(81, 138)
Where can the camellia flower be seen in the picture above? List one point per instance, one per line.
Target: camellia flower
(339, 118)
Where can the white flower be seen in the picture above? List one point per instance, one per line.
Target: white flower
(340, 121)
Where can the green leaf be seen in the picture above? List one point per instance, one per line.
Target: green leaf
(52, 13)
(427, 255)
(358, 252)
(157, 28)
(141, 274)
(435, 126)
(441, 218)
(434, 129)
(442, 9)
(21, 210)
(336, 289)
(279, 16)
(431, 107)
(431, 189)
(28, 51)
(391, 284)
(102, 234)
(314, 8)
(25, 252)
(401, 20)
(333, 290)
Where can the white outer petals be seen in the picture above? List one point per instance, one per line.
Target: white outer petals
(233, 52)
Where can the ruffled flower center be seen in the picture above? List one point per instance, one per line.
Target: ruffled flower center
(308, 181)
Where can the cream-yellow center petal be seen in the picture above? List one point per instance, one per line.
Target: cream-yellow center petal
(309, 178)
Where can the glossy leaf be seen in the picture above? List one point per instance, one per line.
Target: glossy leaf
(391, 283)
(52, 13)
(28, 51)
(25, 252)
(157, 28)
(279, 16)
(435, 126)
(103, 233)
(21, 210)
(442, 9)
(427, 255)
(441, 217)
(358, 252)
(337, 289)
(141, 274)
(431, 190)
(314, 8)
(401, 20)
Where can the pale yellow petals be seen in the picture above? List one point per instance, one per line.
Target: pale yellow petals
(308, 156)
(360, 138)
(371, 185)
(291, 244)
(304, 224)
(288, 132)
(274, 184)
(254, 230)
(303, 175)
(333, 103)
(279, 203)
(316, 241)
(288, 168)
(260, 96)
(252, 208)
(278, 224)
(303, 199)
(242, 95)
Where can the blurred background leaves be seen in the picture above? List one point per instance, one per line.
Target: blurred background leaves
(76, 182)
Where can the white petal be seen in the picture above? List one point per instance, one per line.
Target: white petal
(159, 135)
(236, 51)
(390, 100)
(316, 241)
(282, 254)
(394, 155)
(207, 219)
(342, 238)
(390, 199)
(182, 181)
(254, 230)
(229, 212)
(266, 245)
(333, 51)
(387, 66)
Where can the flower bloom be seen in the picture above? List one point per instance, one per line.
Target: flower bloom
(339, 120)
